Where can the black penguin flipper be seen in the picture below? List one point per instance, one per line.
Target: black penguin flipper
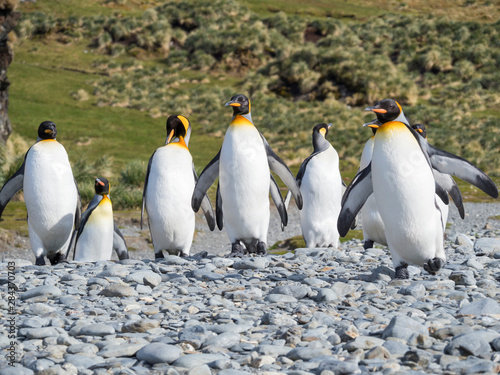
(354, 198)
(78, 211)
(303, 167)
(206, 179)
(441, 193)
(12, 186)
(143, 206)
(278, 201)
(119, 243)
(448, 163)
(206, 206)
(72, 244)
(448, 183)
(85, 216)
(279, 167)
(218, 209)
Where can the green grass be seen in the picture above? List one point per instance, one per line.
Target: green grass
(14, 218)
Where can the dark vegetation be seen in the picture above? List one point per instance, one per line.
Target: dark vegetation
(298, 70)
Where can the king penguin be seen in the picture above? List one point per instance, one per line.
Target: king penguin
(168, 188)
(50, 193)
(321, 187)
(98, 234)
(371, 223)
(400, 177)
(243, 165)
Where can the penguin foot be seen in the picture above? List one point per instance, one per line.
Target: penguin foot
(159, 255)
(237, 250)
(261, 249)
(56, 258)
(40, 261)
(368, 244)
(434, 265)
(402, 271)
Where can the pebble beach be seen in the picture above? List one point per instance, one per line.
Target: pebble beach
(304, 312)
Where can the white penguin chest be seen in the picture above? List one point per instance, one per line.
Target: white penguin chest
(243, 160)
(49, 186)
(171, 178)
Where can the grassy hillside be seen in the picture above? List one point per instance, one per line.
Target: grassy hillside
(108, 73)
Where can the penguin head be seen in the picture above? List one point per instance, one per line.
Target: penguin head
(373, 124)
(178, 127)
(101, 186)
(388, 110)
(319, 135)
(47, 130)
(240, 103)
(420, 129)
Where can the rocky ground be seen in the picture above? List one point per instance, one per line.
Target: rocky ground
(312, 311)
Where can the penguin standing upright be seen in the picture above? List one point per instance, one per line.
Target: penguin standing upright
(98, 234)
(168, 188)
(371, 223)
(400, 177)
(243, 165)
(321, 188)
(50, 193)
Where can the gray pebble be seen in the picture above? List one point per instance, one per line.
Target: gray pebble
(118, 290)
(98, 329)
(486, 306)
(192, 360)
(159, 353)
(403, 327)
(48, 291)
(487, 246)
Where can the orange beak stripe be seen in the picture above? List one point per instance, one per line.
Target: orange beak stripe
(235, 105)
(170, 136)
(373, 126)
(379, 110)
(101, 183)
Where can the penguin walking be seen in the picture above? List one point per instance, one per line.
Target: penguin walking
(168, 188)
(50, 193)
(98, 234)
(322, 188)
(400, 177)
(243, 165)
(373, 226)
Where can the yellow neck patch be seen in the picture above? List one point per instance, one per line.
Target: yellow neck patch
(240, 121)
(323, 132)
(391, 127)
(181, 143)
